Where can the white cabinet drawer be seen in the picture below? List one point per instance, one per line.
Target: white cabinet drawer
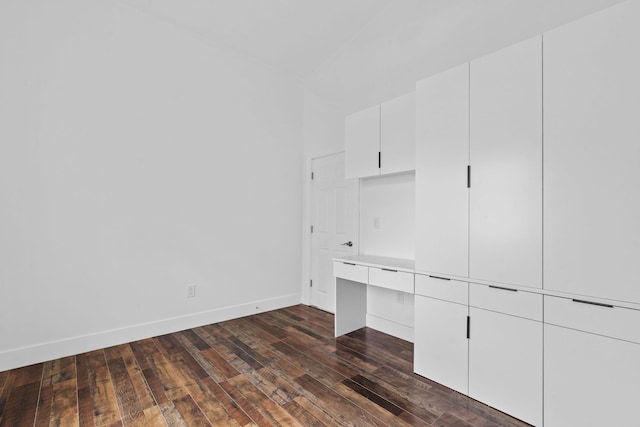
(611, 321)
(351, 271)
(506, 300)
(391, 279)
(444, 289)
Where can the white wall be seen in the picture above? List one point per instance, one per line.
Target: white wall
(387, 228)
(323, 132)
(387, 216)
(136, 159)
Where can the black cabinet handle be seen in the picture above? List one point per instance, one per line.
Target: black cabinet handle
(503, 289)
(441, 278)
(468, 327)
(388, 269)
(599, 304)
(348, 263)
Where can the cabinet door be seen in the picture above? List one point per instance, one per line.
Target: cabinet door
(589, 380)
(442, 155)
(505, 363)
(398, 134)
(441, 347)
(505, 222)
(362, 143)
(592, 155)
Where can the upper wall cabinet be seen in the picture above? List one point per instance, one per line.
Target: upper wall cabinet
(479, 168)
(442, 156)
(398, 134)
(362, 143)
(381, 140)
(592, 155)
(506, 165)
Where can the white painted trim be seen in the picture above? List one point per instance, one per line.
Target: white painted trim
(24, 356)
(388, 327)
(306, 221)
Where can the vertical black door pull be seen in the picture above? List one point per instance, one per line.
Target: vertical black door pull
(468, 327)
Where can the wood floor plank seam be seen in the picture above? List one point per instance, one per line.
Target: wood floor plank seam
(35, 417)
(75, 368)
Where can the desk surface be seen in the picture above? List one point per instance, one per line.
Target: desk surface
(399, 264)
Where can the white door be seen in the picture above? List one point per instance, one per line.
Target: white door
(505, 363)
(441, 345)
(442, 156)
(589, 380)
(592, 155)
(334, 215)
(505, 223)
(398, 134)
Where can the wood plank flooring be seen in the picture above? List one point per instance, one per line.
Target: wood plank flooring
(280, 368)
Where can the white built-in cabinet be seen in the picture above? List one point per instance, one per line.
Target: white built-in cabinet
(479, 168)
(441, 348)
(481, 340)
(539, 322)
(591, 364)
(442, 156)
(380, 140)
(592, 155)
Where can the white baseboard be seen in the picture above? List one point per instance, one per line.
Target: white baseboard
(24, 356)
(389, 327)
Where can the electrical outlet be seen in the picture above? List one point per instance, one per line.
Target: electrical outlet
(400, 297)
(191, 291)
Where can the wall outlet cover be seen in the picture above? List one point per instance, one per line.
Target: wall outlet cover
(191, 291)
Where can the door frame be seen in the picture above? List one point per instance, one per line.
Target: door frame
(306, 223)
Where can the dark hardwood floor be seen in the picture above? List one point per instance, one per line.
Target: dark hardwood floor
(283, 367)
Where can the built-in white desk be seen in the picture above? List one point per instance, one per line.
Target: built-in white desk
(353, 274)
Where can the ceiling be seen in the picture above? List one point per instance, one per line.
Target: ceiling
(360, 52)
(294, 35)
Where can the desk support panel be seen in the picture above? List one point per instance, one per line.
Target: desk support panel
(351, 306)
